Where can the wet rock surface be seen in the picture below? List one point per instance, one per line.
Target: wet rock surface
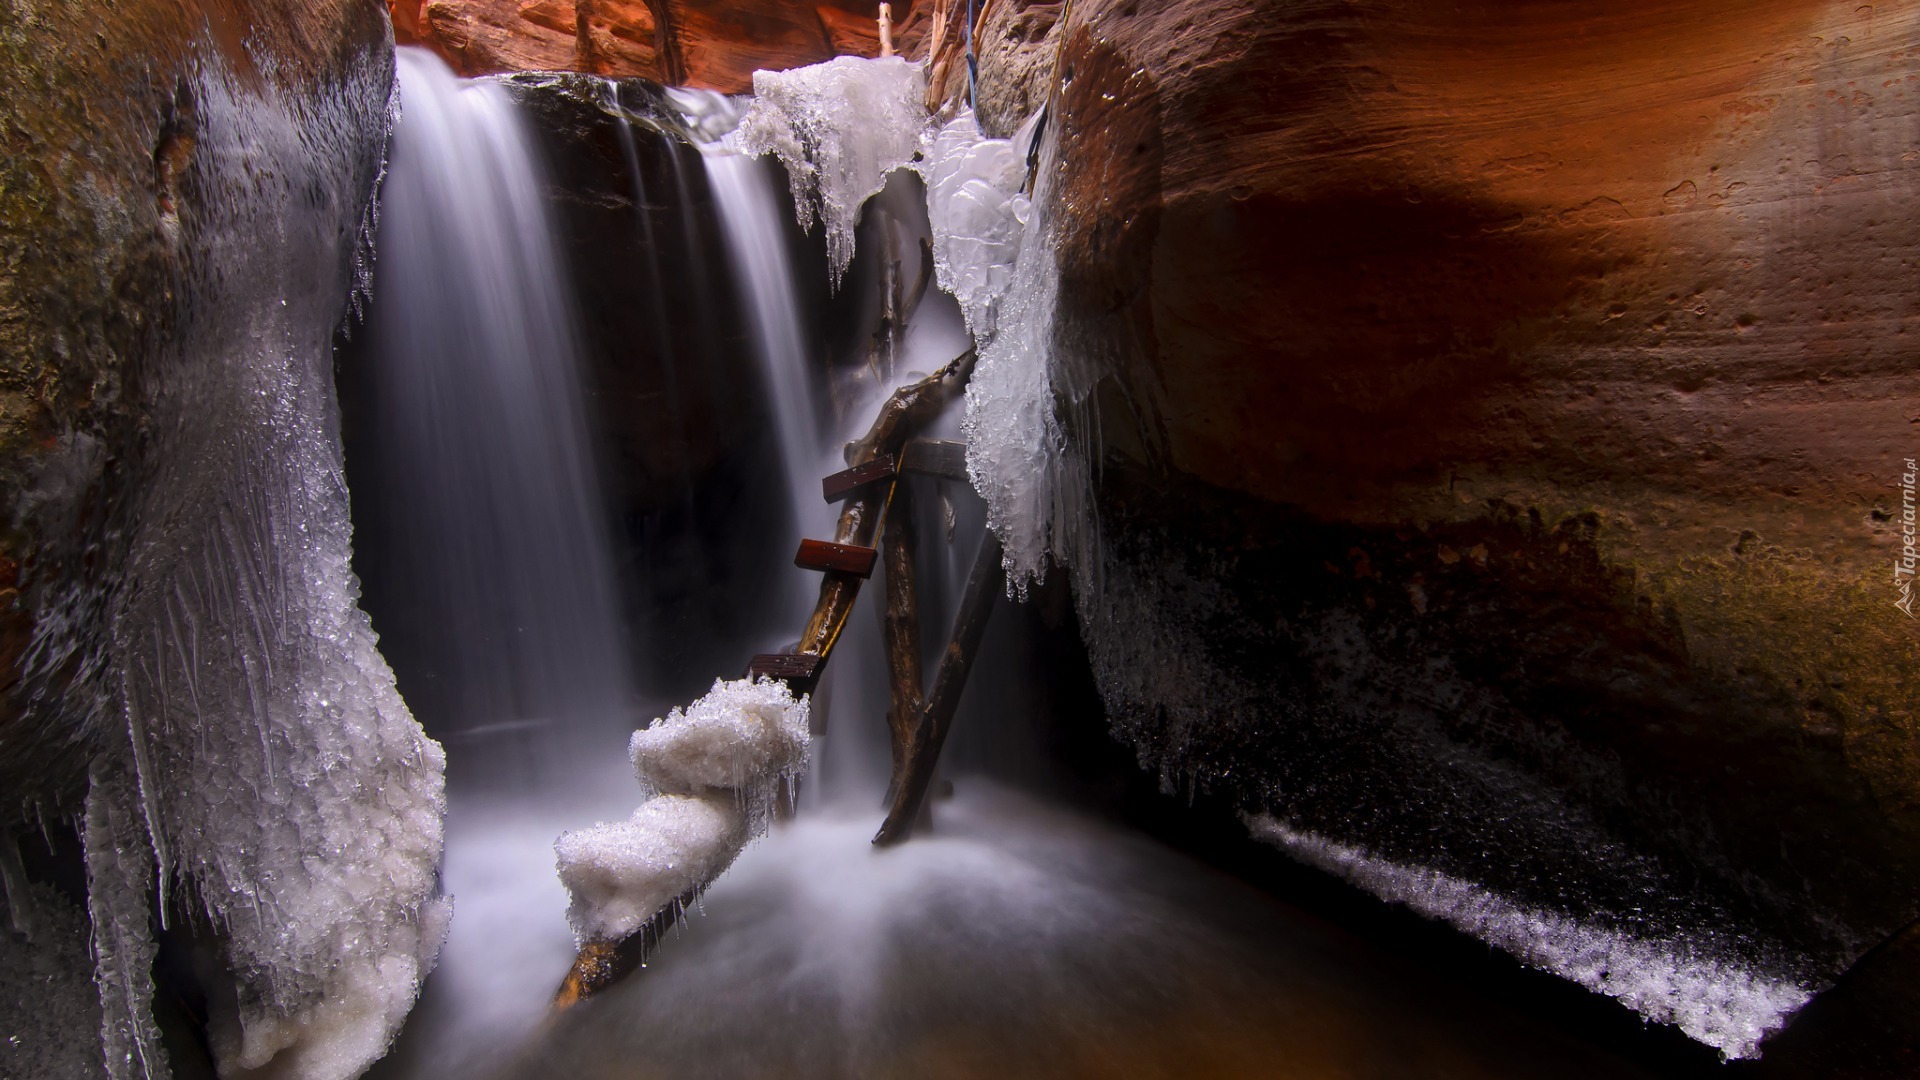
(1503, 430)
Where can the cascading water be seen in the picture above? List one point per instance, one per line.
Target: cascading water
(483, 430)
(488, 492)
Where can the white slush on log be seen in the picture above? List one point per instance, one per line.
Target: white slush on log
(714, 771)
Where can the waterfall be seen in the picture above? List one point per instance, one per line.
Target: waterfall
(756, 241)
(483, 431)
(492, 517)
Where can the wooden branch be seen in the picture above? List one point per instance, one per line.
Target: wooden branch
(984, 584)
(600, 964)
(901, 630)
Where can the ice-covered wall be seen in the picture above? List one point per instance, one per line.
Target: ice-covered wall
(270, 783)
(994, 252)
(1691, 981)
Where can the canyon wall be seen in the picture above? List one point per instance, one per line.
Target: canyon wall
(1504, 420)
(712, 44)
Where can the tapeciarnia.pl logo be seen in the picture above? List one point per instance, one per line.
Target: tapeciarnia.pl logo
(1903, 567)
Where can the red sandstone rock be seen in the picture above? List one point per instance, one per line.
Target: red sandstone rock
(706, 43)
(1638, 272)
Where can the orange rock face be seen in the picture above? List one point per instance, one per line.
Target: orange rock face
(1563, 353)
(705, 43)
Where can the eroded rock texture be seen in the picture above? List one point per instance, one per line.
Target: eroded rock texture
(97, 180)
(713, 44)
(1504, 409)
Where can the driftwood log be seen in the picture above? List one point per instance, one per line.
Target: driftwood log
(914, 761)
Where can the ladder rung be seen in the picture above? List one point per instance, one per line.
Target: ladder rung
(826, 555)
(935, 457)
(847, 481)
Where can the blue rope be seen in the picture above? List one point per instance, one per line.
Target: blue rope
(973, 62)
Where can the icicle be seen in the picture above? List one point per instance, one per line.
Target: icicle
(20, 906)
(801, 117)
(119, 861)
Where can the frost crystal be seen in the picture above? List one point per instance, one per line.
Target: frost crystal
(286, 789)
(1714, 999)
(839, 128)
(994, 254)
(715, 768)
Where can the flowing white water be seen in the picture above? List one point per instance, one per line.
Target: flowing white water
(478, 371)
(743, 188)
(485, 457)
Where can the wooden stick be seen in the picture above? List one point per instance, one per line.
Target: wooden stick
(600, 964)
(906, 411)
(901, 629)
(936, 717)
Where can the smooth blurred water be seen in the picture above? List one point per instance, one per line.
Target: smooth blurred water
(485, 439)
(490, 492)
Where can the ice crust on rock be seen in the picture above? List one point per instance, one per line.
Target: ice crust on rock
(713, 770)
(267, 755)
(994, 253)
(839, 128)
(1715, 999)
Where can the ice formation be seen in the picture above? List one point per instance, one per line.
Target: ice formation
(742, 736)
(714, 770)
(802, 117)
(979, 211)
(1715, 1000)
(270, 773)
(993, 252)
(621, 872)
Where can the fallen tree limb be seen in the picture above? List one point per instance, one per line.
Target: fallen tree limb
(901, 631)
(600, 964)
(984, 584)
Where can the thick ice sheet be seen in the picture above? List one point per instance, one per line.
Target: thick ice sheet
(838, 128)
(284, 785)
